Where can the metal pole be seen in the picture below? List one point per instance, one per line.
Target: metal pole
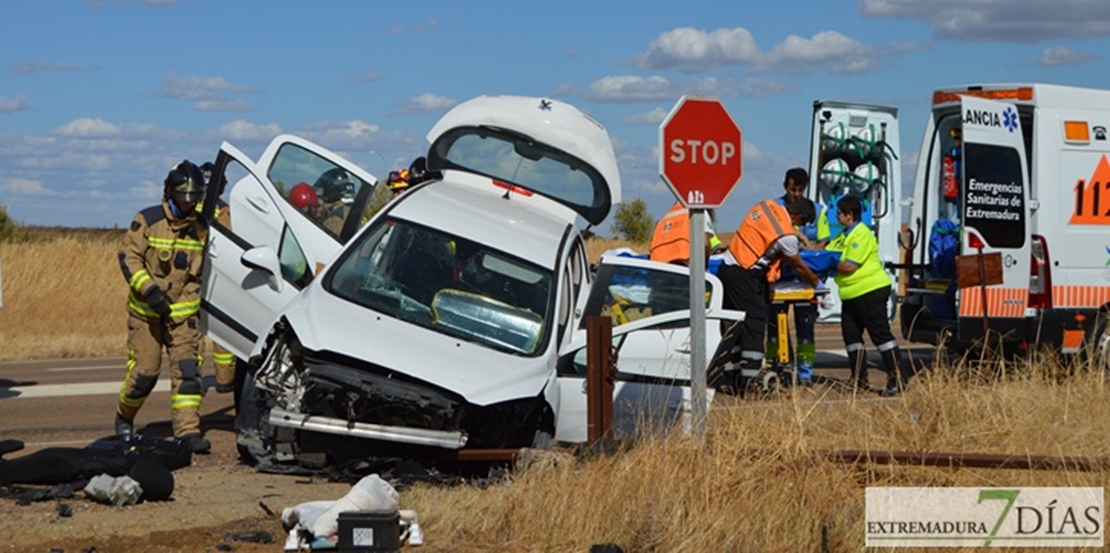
(698, 400)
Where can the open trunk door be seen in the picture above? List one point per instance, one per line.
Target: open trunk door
(649, 303)
(264, 250)
(994, 215)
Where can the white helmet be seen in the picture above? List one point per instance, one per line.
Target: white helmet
(866, 175)
(866, 141)
(834, 139)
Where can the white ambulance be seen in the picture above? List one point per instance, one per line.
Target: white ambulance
(1021, 174)
(854, 149)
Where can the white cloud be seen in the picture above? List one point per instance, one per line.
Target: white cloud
(11, 105)
(694, 50)
(242, 130)
(1060, 55)
(369, 77)
(828, 50)
(426, 103)
(88, 128)
(1002, 21)
(25, 187)
(653, 117)
(206, 93)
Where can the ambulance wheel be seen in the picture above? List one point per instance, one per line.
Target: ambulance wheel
(1097, 348)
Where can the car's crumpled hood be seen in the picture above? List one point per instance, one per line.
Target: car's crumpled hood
(481, 375)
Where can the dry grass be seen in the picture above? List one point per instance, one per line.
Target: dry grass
(751, 485)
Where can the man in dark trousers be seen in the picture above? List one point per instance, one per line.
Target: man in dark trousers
(764, 238)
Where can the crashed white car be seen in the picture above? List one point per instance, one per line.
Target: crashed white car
(455, 317)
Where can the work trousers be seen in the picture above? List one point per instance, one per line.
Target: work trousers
(224, 362)
(869, 312)
(147, 338)
(746, 290)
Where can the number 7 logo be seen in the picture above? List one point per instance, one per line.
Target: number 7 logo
(1009, 496)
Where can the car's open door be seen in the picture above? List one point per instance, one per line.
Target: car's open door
(267, 250)
(649, 303)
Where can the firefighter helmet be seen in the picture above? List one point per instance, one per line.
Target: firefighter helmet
(399, 180)
(185, 183)
(304, 198)
(335, 185)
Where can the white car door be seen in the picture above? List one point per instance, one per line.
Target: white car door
(649, 303)
(270, 250)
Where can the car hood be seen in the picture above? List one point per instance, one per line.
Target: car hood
(481, 375)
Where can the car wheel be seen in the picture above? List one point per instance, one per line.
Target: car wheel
(542, 440)
(254, 437)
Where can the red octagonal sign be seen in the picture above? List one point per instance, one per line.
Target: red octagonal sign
(700, 151)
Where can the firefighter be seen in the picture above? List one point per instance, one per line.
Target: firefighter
(336, 190)
(670, 243)
(398, 182)
(805, 314)
(161, 261)
(864, 287)
(222, 359)
(765, 237)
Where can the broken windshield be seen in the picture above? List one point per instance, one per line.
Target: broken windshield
(448, 284)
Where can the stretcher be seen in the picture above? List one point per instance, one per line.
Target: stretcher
(791, 292)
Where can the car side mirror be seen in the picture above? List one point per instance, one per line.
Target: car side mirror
(264, 258)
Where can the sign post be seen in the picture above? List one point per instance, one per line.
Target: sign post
(700, 160)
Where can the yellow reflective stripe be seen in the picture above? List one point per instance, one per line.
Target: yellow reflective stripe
(138, 279)
(184, 308)
(139, 306)
(181, 401)
(172, 243)
(223, 358)
(123, 399)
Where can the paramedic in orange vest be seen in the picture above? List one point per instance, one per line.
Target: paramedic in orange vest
(671, 241)
(764, 238)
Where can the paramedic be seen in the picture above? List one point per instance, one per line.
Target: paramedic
(864, 288)
(670, 242)
(794, 185)
(161, 260)
(765, 237)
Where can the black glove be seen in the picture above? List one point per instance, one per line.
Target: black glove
(158, 301)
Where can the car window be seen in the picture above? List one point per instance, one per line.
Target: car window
(448, 284)
(520, 161)
(629, 294)
(294, 264)
(318, 188)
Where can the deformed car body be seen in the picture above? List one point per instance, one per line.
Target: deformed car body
(455, 317)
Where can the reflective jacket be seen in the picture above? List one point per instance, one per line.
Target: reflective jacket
(160, 250)
(766, 222)
(671, 240)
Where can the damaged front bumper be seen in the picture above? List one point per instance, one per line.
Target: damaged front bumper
(397, 434)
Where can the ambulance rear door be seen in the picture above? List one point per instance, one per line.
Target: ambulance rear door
(994, 216)
(854, 148)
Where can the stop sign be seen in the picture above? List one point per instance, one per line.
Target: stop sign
(699, 147)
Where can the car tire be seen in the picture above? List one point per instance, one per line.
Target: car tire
(253, 433)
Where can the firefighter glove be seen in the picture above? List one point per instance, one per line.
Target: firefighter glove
(158, 301)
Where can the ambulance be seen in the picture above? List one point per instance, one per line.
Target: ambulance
(1009, 228)
(854, 149)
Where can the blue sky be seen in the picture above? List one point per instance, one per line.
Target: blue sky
(99, 98)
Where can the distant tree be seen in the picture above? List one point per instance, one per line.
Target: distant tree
(8, 226)
(633, 222)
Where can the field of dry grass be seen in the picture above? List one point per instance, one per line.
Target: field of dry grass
(751, 485)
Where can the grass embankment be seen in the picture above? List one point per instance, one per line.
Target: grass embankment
(752, 485)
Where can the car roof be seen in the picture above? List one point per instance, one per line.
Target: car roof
(510, 223)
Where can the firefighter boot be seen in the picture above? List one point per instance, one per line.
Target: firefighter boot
(124, 428)
(897, 373)
(196, 443)
(857, 361)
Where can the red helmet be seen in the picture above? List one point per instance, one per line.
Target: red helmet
(304, 197)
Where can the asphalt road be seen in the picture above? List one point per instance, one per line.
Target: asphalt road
(71, 402)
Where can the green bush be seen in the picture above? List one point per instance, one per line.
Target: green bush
(633, 222)
(8, 227)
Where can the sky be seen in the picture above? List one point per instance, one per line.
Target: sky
(99, 98)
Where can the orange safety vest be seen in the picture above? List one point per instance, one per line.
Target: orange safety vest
(671, 240)
(766, 222)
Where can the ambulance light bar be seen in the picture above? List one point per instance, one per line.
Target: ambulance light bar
(1023, 93)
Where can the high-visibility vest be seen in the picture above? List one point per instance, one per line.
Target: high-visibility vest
(671, 240)
(766, 222)
(859, 246)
